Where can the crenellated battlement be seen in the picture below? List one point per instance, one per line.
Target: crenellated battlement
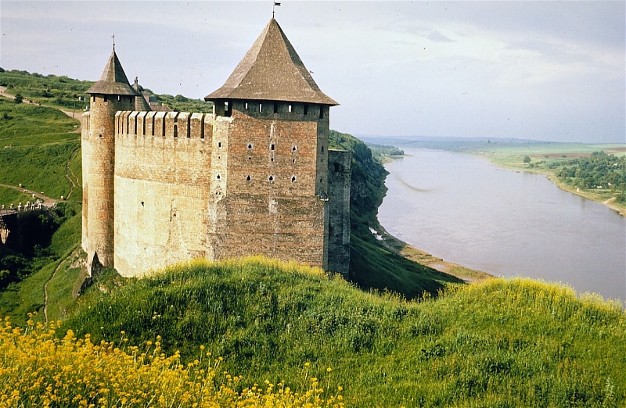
(183, 125)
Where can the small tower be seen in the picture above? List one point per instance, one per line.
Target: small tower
(271, 156)
(110, 94)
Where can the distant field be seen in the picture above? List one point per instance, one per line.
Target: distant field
(587, 177)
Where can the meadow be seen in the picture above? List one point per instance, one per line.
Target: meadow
(505, 343)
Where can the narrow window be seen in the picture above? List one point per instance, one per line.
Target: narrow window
(219, 145)
(249, 146)
(218, 177)
(188, 126)
(275, 108)
(228, 109)
(175, 129)
(105, 98)
(163, 127)
(272, 146)
(248, 178)
(294, 148)
(271, 178)
(306, 108)
(322, 149)
(202, 127)
(293, 179)
(321, 111)
(135, 122)
(152, 127)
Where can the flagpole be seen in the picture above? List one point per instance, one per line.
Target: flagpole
(276, 3)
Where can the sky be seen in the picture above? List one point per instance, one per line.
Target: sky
(541, 70)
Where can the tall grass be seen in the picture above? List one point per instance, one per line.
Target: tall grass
(500, 343)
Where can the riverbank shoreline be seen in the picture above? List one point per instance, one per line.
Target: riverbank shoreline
(550, 175)
(424, 258)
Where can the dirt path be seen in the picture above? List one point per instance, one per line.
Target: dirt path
(47, 201)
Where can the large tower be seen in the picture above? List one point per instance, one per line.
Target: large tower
(270, 157)
(110, 94)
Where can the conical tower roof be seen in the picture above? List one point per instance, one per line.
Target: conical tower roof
(113, 80)
(271, 70)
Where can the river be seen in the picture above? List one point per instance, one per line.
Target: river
(464, 209)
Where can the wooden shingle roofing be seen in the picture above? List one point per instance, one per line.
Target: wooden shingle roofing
(113, 80)
(271, 70)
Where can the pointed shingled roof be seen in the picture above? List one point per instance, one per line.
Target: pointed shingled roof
(271, 70)
(113, 80)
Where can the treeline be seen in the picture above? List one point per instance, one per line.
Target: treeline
(599, 171)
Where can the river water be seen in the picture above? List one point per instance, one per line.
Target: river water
(462, 208)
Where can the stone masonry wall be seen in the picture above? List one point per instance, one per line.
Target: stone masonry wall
(276, 182)
(339, 179)
(98, 156)
(162, 189)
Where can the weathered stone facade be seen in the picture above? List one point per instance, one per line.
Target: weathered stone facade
(254, 177)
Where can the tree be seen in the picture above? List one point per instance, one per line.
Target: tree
(526, 159)
(18, 98)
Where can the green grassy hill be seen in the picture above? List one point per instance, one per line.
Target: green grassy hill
(497, 344)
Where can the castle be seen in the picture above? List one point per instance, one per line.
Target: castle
(256, 176)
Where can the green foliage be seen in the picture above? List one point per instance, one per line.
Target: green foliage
(52, 90)
(600, 170)
(502, 343)
(182, 104)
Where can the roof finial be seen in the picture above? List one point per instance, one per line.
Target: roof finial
(113, 36)
(276, 3)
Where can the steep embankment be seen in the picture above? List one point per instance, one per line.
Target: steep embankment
(499, 343)
(375, 264)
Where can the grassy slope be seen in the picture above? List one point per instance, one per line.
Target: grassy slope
(500, 343)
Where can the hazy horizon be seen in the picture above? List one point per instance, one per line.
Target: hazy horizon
(549, 71)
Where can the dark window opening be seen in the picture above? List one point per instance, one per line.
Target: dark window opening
(321, 111)
(272, 146)
(228, 109)
(219, 145)
(248, 178)
(306, 108)
(218, 177)
(135, 122)
(202, 127)
(163, 127)
(152, 127)
(105, 98)
(275, 108)
(249, 146)
(322, 149)
(293, 179)
(143, 125)
(271, 178)
(294, 161)
(142, 203)
(188, 126)
(294, 148)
